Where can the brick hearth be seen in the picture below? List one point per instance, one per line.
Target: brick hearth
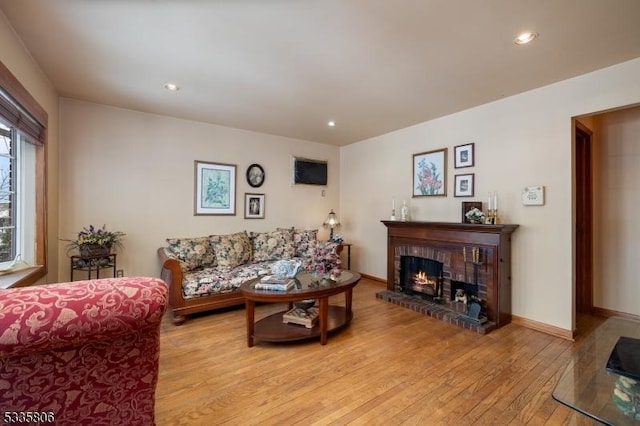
(445, 312)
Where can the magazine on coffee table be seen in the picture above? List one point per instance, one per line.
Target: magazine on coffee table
(625, 358)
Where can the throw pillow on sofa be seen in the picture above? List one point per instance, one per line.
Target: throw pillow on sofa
(305, 242)
(273, 245)
(191, 253)
(231, 250)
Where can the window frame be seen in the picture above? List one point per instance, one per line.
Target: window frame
(10, 85)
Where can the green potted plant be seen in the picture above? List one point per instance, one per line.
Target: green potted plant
(92, 241)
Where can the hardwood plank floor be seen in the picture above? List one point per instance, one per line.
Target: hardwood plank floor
(390, 366)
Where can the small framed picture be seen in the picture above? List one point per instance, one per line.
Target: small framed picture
(215, 188)
(253, 206)
(255, 175)
(463, 185)
(463, 155)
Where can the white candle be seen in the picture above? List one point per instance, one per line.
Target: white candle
(495, 201)
(393, 204)
(489, 206)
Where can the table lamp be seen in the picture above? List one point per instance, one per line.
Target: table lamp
(331, 222)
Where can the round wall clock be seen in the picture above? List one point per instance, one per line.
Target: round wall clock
(255, 175)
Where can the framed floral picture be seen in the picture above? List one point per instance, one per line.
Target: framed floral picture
(463, 155)
(253, 206)
(430, 173)
(215, 188)
(464, 185)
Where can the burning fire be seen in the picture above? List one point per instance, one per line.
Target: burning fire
(421, 278)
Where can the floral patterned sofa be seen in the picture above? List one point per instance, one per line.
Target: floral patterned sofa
(81, 353)
(204, 273)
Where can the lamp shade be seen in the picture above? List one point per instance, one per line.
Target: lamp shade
(332, 220)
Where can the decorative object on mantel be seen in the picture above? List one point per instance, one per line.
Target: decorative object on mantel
(404, 212)
(463, 155)
(492, 217)
(475, 216)
(331, 222)
(533, 196)
(464, 185)
(430, 173)
(467, 206)
(393, 209)
(92, 241)
(255, 175)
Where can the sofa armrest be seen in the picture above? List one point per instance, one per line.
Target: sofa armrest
(62, 315)
(171, 273)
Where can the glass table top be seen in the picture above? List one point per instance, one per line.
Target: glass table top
(586, 385)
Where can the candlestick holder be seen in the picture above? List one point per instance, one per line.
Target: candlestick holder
(393, 214)
(492, 217)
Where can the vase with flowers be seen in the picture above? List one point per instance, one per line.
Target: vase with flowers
(92, 241)
(475, 215)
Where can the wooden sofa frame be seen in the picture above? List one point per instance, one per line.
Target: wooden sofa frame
(180, 307)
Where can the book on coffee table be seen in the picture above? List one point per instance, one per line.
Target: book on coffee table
(306, 317)
(275, 286)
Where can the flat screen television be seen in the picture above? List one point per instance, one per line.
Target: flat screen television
(309, 172)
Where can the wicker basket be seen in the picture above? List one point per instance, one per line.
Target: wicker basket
(91, 250)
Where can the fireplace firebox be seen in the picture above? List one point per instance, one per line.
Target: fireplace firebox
(422, 277)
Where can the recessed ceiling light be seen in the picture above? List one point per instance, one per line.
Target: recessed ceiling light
(331, 123)
(525, 38)
(171, 87)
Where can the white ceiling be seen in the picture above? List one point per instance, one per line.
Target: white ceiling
(286, 67)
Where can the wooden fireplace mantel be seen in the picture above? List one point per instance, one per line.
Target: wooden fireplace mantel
(449, 238)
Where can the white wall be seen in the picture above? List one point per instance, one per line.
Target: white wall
(18, 60)
(519, 141)
(134, 172)
(616, 211)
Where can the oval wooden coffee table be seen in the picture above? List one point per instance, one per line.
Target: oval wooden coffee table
(330, 318)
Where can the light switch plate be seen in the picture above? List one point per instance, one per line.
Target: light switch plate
(533, 196)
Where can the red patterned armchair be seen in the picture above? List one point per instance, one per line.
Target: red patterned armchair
(81, 353)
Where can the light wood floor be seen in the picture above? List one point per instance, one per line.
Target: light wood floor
(390, 366)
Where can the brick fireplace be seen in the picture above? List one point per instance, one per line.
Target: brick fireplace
(429, 262)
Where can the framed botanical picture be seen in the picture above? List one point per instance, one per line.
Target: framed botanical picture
(253, 206)
(255, 175)
(463, 185)
(430, 173)
(463, 156)
(215, 188)
(468, 206)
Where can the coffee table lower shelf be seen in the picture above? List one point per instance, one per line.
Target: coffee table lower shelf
(272, 329)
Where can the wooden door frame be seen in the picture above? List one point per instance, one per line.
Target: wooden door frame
(583, 239)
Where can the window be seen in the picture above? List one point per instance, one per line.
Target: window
(23, 125)
(17, 195)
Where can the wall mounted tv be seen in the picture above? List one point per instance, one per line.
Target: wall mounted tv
(309, 172)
